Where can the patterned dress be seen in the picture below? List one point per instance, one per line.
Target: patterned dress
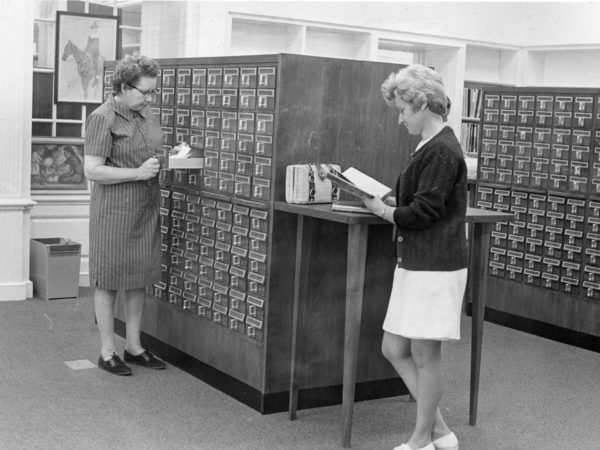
(124, 217)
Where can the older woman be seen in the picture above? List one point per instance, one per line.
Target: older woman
(431, 249)
(122, 137)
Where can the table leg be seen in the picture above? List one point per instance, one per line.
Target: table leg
(478, 266)
(355, 280)
(468, 298)
(303, 248)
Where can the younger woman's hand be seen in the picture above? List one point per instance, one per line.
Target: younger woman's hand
(373, 204)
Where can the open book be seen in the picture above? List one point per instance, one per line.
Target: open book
(357, 183)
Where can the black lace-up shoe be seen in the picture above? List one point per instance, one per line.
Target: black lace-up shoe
(114, 365)
(145, 359)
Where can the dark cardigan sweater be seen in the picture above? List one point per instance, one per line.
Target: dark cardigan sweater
(431, 195)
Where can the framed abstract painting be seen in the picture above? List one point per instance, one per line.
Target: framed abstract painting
(57, 165)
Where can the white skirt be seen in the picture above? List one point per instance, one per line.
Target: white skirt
(426, 304)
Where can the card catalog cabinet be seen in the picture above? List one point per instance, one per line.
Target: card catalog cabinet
(225, 297)
(540, 159)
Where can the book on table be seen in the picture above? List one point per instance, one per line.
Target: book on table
(358, 183)
(350, 206)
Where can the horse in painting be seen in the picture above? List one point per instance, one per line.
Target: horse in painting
(88, 72)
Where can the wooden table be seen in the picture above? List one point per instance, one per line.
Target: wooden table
(358, 224)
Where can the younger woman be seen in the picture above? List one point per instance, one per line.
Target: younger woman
(431, 250)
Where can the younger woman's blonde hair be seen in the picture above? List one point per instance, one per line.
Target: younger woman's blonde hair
(417, 85)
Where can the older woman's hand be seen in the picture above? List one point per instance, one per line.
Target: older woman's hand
(149, 168)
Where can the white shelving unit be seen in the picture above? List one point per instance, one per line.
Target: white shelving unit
(562, 66)
(259, 34)
(256, 37)
(493, 65)
(323, 41)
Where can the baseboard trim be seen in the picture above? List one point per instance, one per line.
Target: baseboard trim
(542, 329)
(264, 403)
(15, 291)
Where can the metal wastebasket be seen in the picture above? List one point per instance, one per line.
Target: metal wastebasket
(54, 267)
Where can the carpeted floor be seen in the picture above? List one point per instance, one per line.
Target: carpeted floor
(535, 394)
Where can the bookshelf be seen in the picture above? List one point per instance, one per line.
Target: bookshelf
(471, 119)
(471, 115)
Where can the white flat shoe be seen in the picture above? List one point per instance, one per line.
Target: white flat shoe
(448, 442)
(406, 447)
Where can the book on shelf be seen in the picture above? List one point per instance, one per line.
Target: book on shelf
(472, 103)
(358, 183)
(469, 137)
(349, 206)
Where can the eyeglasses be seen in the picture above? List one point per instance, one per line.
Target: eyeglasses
(148, 93)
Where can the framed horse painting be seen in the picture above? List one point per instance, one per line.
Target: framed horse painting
(83, 43)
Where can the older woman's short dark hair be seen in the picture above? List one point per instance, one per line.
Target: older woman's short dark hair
(131, 68)
(417, 85)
